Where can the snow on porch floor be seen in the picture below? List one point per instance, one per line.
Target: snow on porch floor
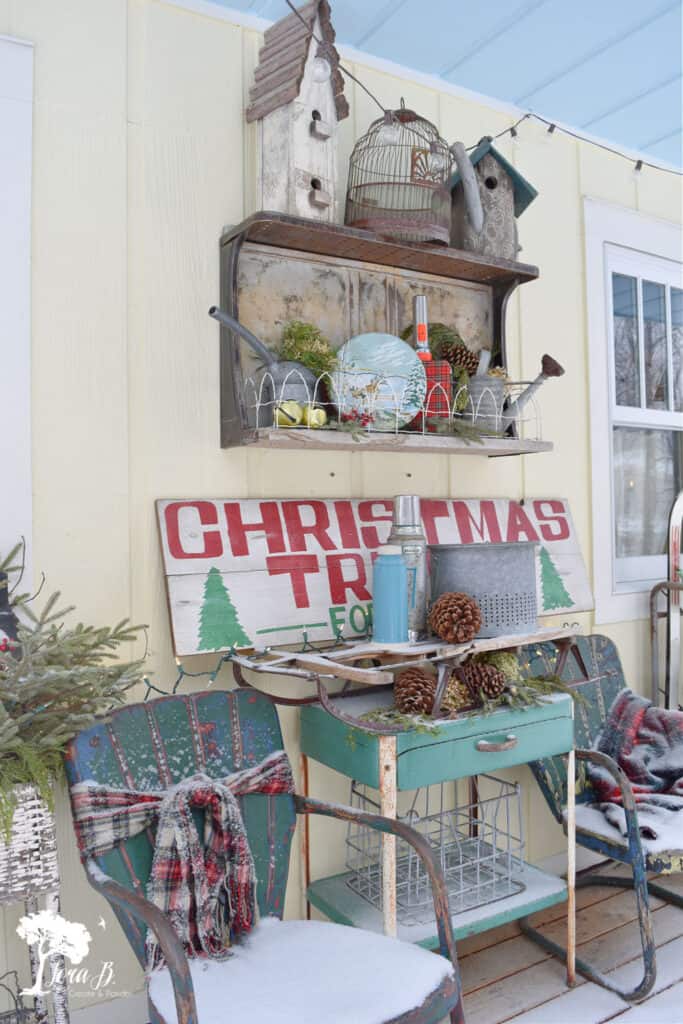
(507, 978)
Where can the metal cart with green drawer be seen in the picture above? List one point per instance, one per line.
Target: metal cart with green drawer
(459, 749)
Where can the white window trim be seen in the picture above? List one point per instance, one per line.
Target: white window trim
(607, 225)
(16, 118)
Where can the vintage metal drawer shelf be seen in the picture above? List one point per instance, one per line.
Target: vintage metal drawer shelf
(461, 747)
(276, 268)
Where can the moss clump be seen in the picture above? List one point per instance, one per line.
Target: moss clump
(304, 343)
(504, 661)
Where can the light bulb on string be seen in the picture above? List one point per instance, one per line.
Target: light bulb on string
(321, 70)
(390, 132)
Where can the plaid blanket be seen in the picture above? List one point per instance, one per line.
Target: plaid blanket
(207, 889)
(647, 744)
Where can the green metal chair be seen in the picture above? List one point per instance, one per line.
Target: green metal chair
(154, 745)
(597, 675)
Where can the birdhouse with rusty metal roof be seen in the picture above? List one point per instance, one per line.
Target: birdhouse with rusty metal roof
(297, 101)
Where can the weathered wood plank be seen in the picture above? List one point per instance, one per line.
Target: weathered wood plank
(334, 240)
(526, 989)
(339, 440)
(257, 573)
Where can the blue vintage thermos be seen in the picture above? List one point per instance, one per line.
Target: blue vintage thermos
(390, 596)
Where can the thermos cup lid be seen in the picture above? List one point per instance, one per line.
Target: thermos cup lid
(390, 549)
(407, 510)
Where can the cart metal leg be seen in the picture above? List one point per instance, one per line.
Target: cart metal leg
(388, 807)
(305, 838)
(571, 869)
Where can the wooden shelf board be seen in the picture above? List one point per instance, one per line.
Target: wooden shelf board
(337, 900)
(302, 439)
(349, 243)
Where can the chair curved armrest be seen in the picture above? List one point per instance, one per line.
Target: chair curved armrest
(170, 944)
(306, 805)
(629, 802)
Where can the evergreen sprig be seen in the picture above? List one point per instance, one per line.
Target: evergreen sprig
(54, 681)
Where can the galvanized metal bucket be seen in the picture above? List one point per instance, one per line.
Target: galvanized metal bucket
(500, 577)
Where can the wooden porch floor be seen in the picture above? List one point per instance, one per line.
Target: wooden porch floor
(507, 978)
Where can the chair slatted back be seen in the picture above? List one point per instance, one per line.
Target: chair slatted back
(597, 693)
(156, 744)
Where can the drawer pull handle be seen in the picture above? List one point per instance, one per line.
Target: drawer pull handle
(487, 747)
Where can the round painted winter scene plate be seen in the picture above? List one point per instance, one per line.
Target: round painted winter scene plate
(379, 381)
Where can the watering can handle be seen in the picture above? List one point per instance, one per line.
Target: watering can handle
(229, 321)
(475, 212)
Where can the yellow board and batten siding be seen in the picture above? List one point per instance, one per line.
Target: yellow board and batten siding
(141, 156)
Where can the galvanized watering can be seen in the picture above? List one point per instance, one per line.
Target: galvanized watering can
(486, 397)
(280, 380)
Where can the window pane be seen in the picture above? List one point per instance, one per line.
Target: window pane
(654, 342)
(677, 338)
(626, 357)
(647, 476)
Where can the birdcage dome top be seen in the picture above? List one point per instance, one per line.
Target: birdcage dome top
(398, 178)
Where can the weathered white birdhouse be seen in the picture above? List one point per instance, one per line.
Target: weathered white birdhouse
(297, 100)
(504, 195)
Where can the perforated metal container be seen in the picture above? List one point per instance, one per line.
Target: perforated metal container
(500, 577)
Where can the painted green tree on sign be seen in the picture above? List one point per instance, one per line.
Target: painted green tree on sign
(555, 594)
(219, 627)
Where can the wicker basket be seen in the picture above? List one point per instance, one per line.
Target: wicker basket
(28, 864)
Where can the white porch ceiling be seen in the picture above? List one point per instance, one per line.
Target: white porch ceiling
(609, 68)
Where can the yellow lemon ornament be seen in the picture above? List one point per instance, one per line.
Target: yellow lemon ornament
(288, 414)
(314, 417)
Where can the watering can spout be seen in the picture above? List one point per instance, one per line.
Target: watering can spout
(470, 187)
(549, 368)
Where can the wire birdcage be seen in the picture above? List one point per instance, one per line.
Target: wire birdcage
(398, 179)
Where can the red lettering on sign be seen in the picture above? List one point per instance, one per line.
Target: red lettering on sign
(431, 511)
(269, 524)
(297, 530)
(367, 514)
(348, 530)
(560, 528)
(339, 584)
(519, 524)
(488, 527)
(208, 516)
(296, 566)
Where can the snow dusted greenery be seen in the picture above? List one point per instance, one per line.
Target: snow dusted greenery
(308, 972)
(55, 680)
(52, 934)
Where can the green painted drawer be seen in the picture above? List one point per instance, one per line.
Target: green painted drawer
(451, 752)
(454, 758)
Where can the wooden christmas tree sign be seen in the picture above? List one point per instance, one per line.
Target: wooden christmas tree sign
(262, 572)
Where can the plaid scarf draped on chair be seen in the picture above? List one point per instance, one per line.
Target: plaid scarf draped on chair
(207, 889)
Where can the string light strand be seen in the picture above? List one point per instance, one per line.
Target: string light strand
(552, 127)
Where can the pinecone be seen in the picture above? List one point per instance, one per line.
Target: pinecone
(414, 691)
(457, 697)
(482, 680)
(460, 357)
(455, 618)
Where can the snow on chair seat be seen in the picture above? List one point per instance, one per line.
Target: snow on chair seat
(591, 820)
(308, 972)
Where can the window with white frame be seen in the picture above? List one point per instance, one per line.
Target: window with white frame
(646, 348)
(635, 307)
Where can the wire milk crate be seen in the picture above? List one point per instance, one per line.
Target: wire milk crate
(480, 847)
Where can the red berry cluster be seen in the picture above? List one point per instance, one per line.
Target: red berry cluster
(6, 645)
(363, 419)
